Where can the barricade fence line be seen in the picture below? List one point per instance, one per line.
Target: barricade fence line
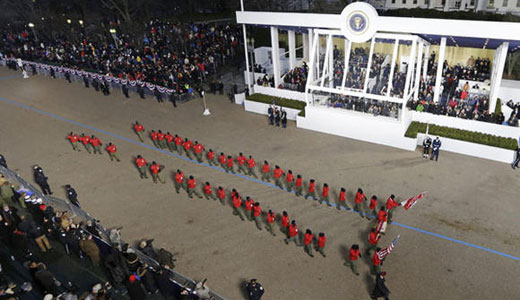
(76, 212)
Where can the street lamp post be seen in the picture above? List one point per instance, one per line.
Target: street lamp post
(206, 109)
(31, 25)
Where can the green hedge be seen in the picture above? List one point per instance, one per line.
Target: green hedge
(462, 135)
(498, 107)
(279, 102)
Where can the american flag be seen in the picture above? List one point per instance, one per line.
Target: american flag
(384, 252)
(411, 202)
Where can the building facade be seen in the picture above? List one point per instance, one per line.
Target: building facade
(496, 6)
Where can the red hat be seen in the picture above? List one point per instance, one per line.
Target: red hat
(383, 274)
(132, 278)
(43, 207)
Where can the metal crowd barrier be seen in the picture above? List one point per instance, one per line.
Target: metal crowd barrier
(179, 280)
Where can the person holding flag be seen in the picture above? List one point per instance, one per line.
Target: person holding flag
(382, 218)
(381, 254)
(373, 238)
(391, 203)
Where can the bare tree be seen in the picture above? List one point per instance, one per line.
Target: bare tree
(125, 9)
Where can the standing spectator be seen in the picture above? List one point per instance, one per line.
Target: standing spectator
(270, 112)
(202, 290)
(514, 165)
(90, 248)
(277, 117)
(380, 290)
(72, 195)
(436, 147)
(135, 289)
(41, 180)
(284, 119)
(254, 290)
(3, 163)
(427, 142)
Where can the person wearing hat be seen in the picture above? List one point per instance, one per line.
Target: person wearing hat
(3, 163)
(41, 180)
(202, 290)
(72, 195)
(141, 166)
(380, 289)
(112, 149)
(254, 290)
(135, 289)
(192, 188)
(155, 169)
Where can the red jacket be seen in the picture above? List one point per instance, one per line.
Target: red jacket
(382, 215)
(307, 239)
(178, 140)
(211, 155)
(155, 168)
(353, 254)
(342, 196)
(271, 217)
(169, 138)
(241, 159)
(221, 193)
(160, 136)
(95, 142)
(373, 238)
(293, 230)
(187, 145)
(112, 149)
(222, 159)
(373, 203)
(249, 204)
(359, 197)
(285, 221)
(198, 148)
(237, 202)
(192, 183)
(140, 162)
(207, 189)
(85, 140)
(289, 177)
(257, 211)
(251, 162)
(265, 168)
(325, 191)
(73, 138)
(299, 181)
(312, 187)
(375, 260)
(154, 135)
(230, 163)
(139, 127)
(179, 177)
(321, 241)
(278, 172)
(391, 203)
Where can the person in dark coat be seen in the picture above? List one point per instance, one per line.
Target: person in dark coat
(85, 81)
(140, 91)
(146, 247)
(147, 279)
(95, 84)
(41, 180)
(118, 273)
(135, 290)
(277, 117)
(254, 290)
(380, 290)
(165, 259)
(3, 163)
(124, 89)
(72, 195)
(158, 95)
(270, 112)
(173, 99)
(284, 119)
(162, 278)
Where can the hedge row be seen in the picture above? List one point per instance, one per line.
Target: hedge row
(279, 102)
(462, 135)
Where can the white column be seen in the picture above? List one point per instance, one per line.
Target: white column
(418, 71)
(326, 64)
(312, 69)
(292, 48)
(347, 50)
(426, 58)
(331, 62)
(497, 80)
(369, 64)
(305, 43)
(275, 55)
(411, 67)
(440, 66)
(248, 74)
(392, 68)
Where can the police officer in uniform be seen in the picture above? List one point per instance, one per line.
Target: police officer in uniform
(85, 81)
(41, 180)
(72, 195)
(270, 112)
(140, 91)
(426, 146)
(514, 165)
(124, 88)
(67, 76)
(284, 119)
(254, 290)
(95, 84)
(435, 149)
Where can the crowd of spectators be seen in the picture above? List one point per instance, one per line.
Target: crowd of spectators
(171, 55)
(373, 107)
(33, 235)
(296, 79)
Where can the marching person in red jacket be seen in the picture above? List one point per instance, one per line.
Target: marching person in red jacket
(112, 149)
(221, 194)
(293, 234)
(391, 203)
(257, 215)
(373, 205)
(324, 193)
(73, 138)
(198, 149)
(312, 190)
(229, 165)
(241, 161)
(248, 206)
(169, 141)
(212, 160)
(251, 163)
(342, 199)
(155, 169)
(139, 129)
(180, 181)
(285, 222)
(96, 144)
(266, 172)
(178, 144)
(237, 202)
(85, 139)
(376, 262)
(277, 174)
(373, 239)
(154, 137)
(208, 192)
(322, 239)
(271, 219)
(141, 166)
(360, 197)
(160, 139)
(222, 160)
(187, 147)
(382, 215)
(298, 185)
(353, 256)
(192, 188)
(307, 242)
(289, 181)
